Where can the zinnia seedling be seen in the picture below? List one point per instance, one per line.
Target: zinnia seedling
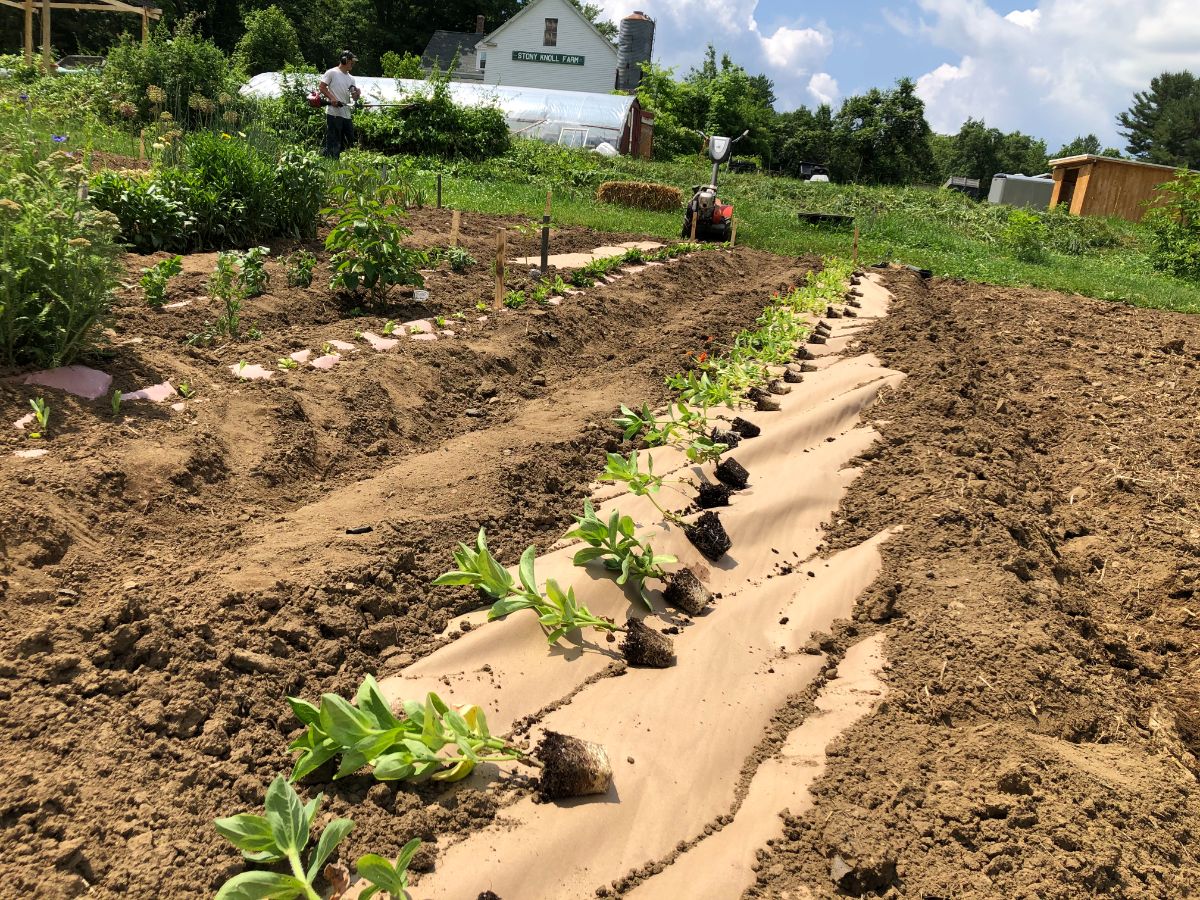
(387, 877)
(287, 362)
(615, 543)
(431, 740)
(41, 413)
(279, 835)
(154, 279)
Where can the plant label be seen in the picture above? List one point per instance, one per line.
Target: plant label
(420, 296)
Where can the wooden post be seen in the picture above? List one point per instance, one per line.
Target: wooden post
(455, 218)
(142, 145)
(439, 191)
(501, 250)
(47, 62)
(546, 236)
(29, 32)
(856, 246)
(695, 219)
(733, 234)
(145, 26)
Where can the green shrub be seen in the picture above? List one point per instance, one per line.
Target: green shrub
(434, 125)
(1025, 236)
(269, 43)
(367, 243)
(640, 195)
(396, 66)
(1174, 226)
(58, 261)
(150, 218)
(179, 73)
(299, 193)
(300, 266)
(154, 280)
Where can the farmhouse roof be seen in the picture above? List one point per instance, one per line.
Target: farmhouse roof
(490, 39)
(444, 44)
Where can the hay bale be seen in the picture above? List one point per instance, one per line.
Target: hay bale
(640, 195)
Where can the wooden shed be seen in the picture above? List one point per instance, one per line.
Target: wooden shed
(1106, 186)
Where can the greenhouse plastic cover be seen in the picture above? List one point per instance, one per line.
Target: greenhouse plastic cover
(574, 118)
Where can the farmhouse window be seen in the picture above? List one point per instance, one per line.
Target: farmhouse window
(482, 60)
(551, 37)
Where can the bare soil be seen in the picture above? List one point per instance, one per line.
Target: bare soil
(169, 577)
(1043, 637)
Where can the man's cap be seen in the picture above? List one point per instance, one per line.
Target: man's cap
(347, 56)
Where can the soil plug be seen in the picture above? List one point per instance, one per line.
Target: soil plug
(850, 314)
(775, 386)
(854, 292)
(571, 767)
(802, 353)
(831, 313)
(712, 495)
(685, 591)
(823, 327)
(643, 646)
(729, 438)
(808, 367)
(732, 473)
(816, 338)
(793, 374)
(857, 304)
(744, 428)
(708, 536)
(767, 404)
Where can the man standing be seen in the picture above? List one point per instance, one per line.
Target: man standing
(338, 87)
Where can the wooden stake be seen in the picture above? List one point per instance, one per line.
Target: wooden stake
(501, 250)
(142, 145)
(29, 32)
(856, 246)
(145, 26)
(547, 212)
(47, 62)
(733, 234)
(546, 236)
(439, 191)
(695, 219)
(455, 218)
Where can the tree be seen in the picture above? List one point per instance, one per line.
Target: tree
(1163, 124)
(593, 14)
(803, 136)
(407, 66)
(269, 44)
(882, 137)
(981, 152)
(1087, 144)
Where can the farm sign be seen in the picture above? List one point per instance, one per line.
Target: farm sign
(562, 59)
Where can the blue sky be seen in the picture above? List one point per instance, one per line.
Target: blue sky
(1050, 68)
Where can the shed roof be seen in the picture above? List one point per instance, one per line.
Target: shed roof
(1091, 158)
(444, 44)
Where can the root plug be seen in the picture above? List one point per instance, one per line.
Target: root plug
(816, 338)
(732, 473)
(643, 646)
(712, 495)
(831, 313)
(775, 386)
(850, 314)
(745, 429)
(767, 404)
(802, 353)
(685, 591)
(729, 438)
(708, 535)
(856, 304)
(793, 374)
(823, 327)
(571, 767)
(808, 367)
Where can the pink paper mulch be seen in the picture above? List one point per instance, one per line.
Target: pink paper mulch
(325, 363)
(156, 393)
(78, 380)
(251, 373)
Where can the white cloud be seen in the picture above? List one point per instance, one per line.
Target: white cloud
(788, 53)
(1057, 69)
(823, 88)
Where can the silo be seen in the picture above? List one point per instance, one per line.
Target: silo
(635, 43)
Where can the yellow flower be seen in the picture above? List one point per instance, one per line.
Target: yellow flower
(156, 94)
(79, 242)
(226, 135)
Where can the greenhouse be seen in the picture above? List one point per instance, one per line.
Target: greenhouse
(571, 118)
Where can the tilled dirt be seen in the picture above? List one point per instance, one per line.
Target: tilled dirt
(1040, 608)
(168, 577)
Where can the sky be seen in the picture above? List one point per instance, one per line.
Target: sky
(1054, 69)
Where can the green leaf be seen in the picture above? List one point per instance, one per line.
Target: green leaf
(305, 711)
(394, 767)
(249, 833)
(371, 700)
(333, 835)
(455, 578)
(261, 886)
(352, 761)
(343, 722)
(312, 759)
(381, 873)
(507, 606)
(287, 817)
(526, 570)
(587, 554)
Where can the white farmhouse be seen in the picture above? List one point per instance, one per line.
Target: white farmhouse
(548, 44)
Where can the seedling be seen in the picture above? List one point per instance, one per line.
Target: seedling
(385, 876)
(327, 349)
(460, 260)
(541, 293)
(514, 299)
(440, 321)
(614, 542)
(461, 316)
(253, 277)
(389, 327)
(41, 413)
(154, 280)
(253, 333)
(414, 329)
(478, 568)
(186, 391)
(432, 740)
(225, 286)
(481, 306)
(300, 267)
(287, 362)
(625, 470)
(115, 401)
(281, 834)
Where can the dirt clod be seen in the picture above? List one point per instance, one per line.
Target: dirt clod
(711, 495)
